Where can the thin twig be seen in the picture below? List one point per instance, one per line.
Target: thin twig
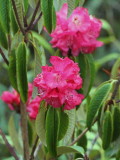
(24, 130)
(92, 144)
(25, 21)
(36, 21)
(10, 148)
(3, 56)
(83, 133)
(79, 137)
(33, 149)
(34, 15)
(17, 17)
(118, 101)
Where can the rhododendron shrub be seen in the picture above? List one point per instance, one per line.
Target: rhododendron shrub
(49, 43)
(77, 33)
(57, 84)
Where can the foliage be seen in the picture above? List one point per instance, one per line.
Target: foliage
(89, 131)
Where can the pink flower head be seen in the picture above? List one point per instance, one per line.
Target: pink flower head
(57, 80)
(11, 98)
(33, 107)
(78, 33)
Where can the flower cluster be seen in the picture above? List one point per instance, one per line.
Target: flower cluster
(12, 99)
(77, 33)
(33, 107)
(57, 84)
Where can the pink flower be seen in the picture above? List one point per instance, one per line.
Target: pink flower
(76, 34)
(56, 81)
(33, 107)
(11, 98)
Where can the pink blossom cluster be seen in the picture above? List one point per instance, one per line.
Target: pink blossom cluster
(57, 84)
(12, 99)
(76, 34)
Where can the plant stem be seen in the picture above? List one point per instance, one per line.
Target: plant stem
(35, 21)
(33, 149)
(17, 17)
(83, 133)
(10, 148)
(3, 56)
(34, 15)
(24, 130)
(79, 137)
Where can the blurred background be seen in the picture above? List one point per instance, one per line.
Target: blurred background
(105, 56)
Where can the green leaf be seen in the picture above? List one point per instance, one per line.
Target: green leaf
(71, 6)
(96, 102)
(72, 118)
(53, 18)
(30, 133)
(89, 80)
(40, 123)
(116, 123)
(107, 130)
(82, 142)
(14, 135)
(16, 40)
(52, 124)
(64, 121)
(26, 5)
(3, 39)
(14, 24)
(105, 59)
(115, 75)
(19, 6)
(87, 71)
(107, 26)
(69, 149)
(115, 69)
(40, 60)
(46, 6)
(41, 41)
(82, 62)
(22, 71)
(4, 15)
(12, 69)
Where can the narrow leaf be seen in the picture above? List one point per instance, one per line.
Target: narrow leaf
(3, 39)
(14, 24)
(12, 69)
(14, 135)
(97, 100)
(71, 6)
(116, 123)
(70, 149)
(64, 121)
(40, 123)
(47, 7)
(107, 130)
(22, 71)
(41, 41)
(4, 15)
(72, 118)
(52, 124)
